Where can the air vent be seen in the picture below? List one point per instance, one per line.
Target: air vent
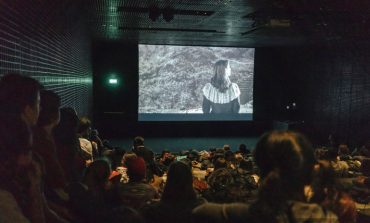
(174, 11)
(169, 30)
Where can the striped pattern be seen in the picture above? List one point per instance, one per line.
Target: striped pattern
(215, 96)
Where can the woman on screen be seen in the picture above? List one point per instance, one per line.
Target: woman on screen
(220, 95)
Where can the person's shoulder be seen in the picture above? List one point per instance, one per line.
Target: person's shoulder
(85, 143)
(233, 212)
(207, 87)
(6, 196)
(235, 87)
(10, 211)
(234, 90)
(312, 211)
(208, 91)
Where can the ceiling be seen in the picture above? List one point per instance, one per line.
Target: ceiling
(250, 23)
(229, 22)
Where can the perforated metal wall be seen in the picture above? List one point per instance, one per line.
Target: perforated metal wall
(47, 41)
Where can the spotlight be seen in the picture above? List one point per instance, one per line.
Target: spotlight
(154, 13)
(168, 14)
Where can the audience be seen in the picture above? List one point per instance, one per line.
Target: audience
(20, 176)
(45, 149)
(43, 141)
(285, 161)
(54, 167)
(20, 96)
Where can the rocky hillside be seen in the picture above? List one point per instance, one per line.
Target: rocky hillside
(171, 78)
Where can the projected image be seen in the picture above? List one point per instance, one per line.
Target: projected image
(195, 83)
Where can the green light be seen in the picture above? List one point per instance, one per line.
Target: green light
(113, 81)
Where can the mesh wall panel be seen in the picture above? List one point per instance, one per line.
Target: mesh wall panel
(47, 41)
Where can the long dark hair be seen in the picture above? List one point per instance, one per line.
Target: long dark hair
(179, 185)
(220, 80)
(285, 160)
(65, 132)
(49, 103)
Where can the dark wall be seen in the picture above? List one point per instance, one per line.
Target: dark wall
(119, 61)
(47, 40)
(330, 86)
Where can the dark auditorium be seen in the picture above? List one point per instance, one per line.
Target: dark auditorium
(184, 111)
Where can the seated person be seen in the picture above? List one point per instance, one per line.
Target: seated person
(89, 198)
(148, 155)
(341, 168)
(166, 159)
(88, 147)
(137, 192)
(178, 199)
